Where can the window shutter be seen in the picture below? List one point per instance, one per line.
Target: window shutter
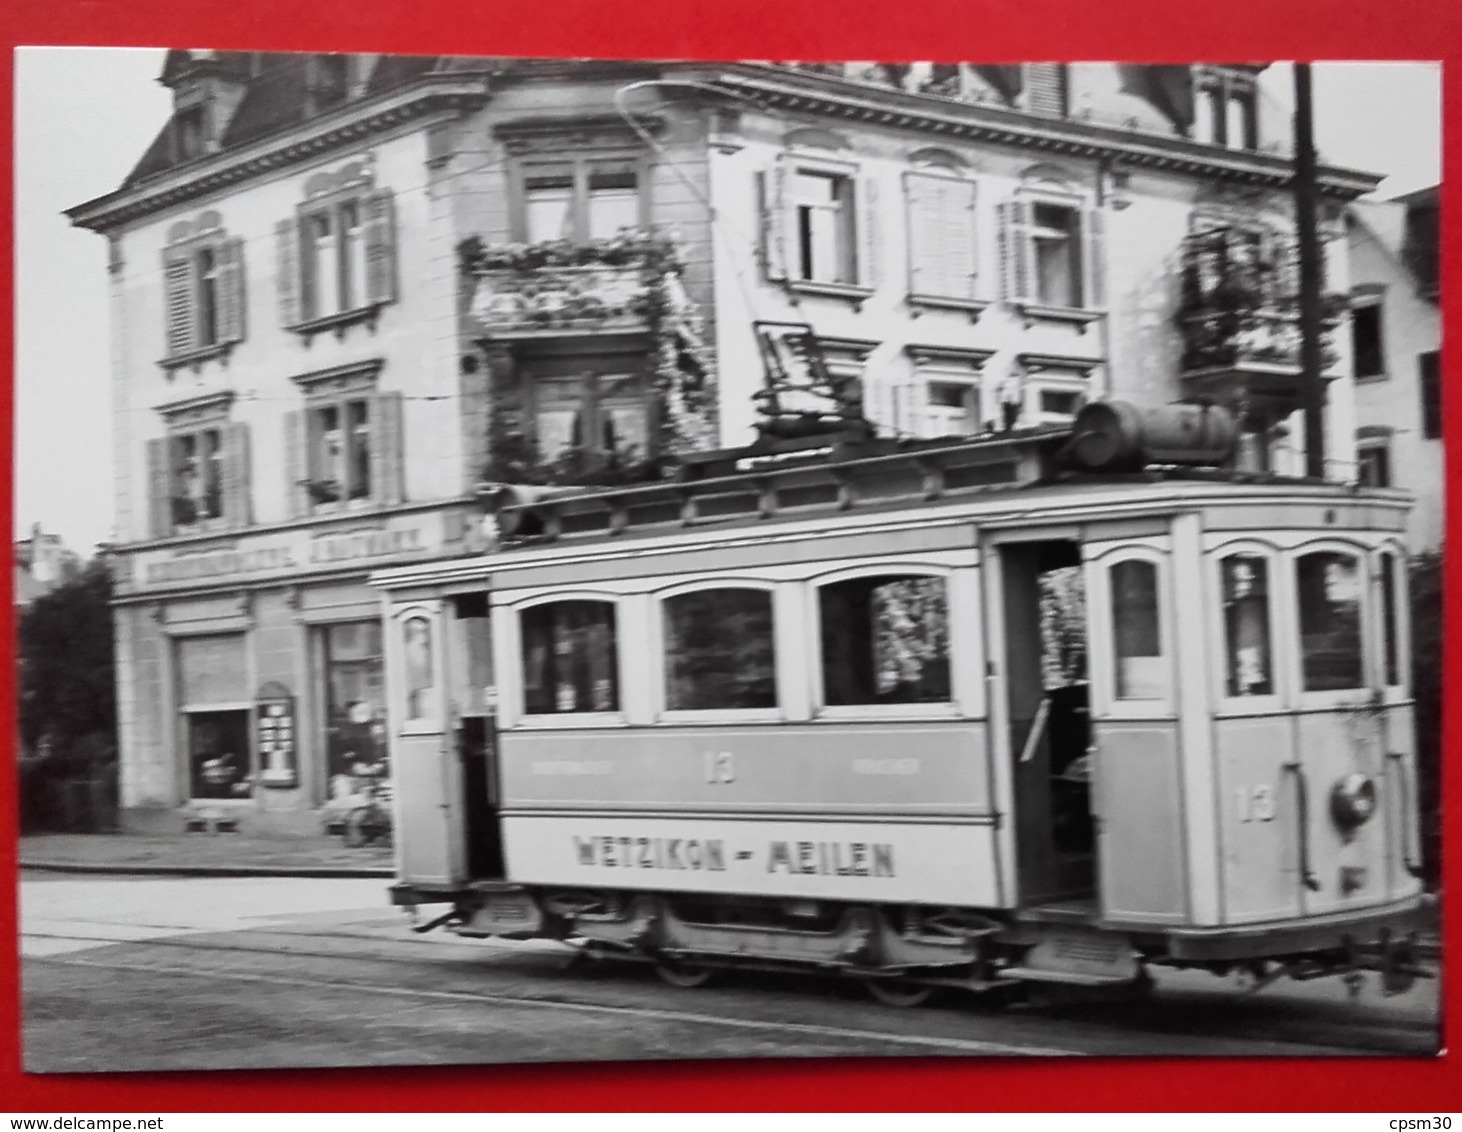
(941, 236)
(231, 290)
(868, 234)
(476, 410)
(772, 219)
(1017, 256)
(287, 248)
(296, 463)
(380, 247)
(159, 489)
(387, 466)
(1045, 86)
(237, 509)
(1094, 286)
(178, 287)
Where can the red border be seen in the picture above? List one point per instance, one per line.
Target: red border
(1172, 30)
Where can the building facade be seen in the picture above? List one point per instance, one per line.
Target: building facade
(348, 289)
(1396, 339)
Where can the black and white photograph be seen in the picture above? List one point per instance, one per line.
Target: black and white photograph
(542, 560)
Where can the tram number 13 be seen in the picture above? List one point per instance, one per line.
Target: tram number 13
(720, 767)
(1256, 803)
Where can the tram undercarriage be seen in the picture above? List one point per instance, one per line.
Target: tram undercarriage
(903, 954)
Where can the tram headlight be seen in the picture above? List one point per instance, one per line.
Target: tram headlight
(1352, 801)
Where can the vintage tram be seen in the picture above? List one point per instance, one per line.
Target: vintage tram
(1038, 707)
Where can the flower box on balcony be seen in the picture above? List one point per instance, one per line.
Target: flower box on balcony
(590, 298)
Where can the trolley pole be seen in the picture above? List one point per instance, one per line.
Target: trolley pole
(1312, 384)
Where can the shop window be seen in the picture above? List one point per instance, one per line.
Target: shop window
(1390, 631)
(203, 283)
(212, 687)
(719, 650)
(1141, 668)
(885, 640)
(356, 753)
(1248, 651)
(337, 254)
(578, 198)
(569, 658)
(1366, 340)
(1429, 367)
(1329, 585)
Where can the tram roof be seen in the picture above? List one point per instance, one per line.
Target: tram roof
(1008, 480)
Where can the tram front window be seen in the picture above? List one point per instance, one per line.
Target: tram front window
(1329, 586)
(569, 662)
(1141, 669)
(885, 640)
(718, 650)
(1248, 663)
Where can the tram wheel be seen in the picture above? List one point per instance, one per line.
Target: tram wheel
(898, 992)
(686, 976)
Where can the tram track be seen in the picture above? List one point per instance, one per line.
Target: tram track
(1172, 1019)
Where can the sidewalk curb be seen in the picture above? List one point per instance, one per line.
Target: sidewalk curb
(323, 872)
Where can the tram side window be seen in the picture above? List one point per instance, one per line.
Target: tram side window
(1388, 619)
(885, 640)
(1248, 653)
(1141, 668)
(719, 651)
(569, 658)
(1330, 620)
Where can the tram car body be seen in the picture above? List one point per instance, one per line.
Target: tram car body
(946, 713)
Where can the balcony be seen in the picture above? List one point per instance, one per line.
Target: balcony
(558, 287)
(1240, 322)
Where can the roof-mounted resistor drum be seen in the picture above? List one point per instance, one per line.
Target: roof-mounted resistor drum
(1115, 436)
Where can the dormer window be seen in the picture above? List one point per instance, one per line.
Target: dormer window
(189, 133)
(1225, 108)
(329, 80)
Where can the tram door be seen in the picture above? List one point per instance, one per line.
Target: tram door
(476, 736)
(1043, 609)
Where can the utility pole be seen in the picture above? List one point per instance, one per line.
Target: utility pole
(1312, 384)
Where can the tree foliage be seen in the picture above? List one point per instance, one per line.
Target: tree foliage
(66, 683)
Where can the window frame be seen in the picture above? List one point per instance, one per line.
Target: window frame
(1369, 299)
(1400, 692)
(433, 722)
(334, 206)
(338, 387)
(1016, 225)
(1429, 381)
(1099, 560)
(1376, 444)
(1281, 664)
(783, 221)
(1306, 699)
(1223, 87)
(962, 703)
(580, 161)
(228, 294)
(520, 717)
(782, 614)
(196, 431)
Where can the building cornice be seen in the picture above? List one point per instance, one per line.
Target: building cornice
(348, 126)
(779, 89)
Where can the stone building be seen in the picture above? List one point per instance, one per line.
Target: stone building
(347, 289)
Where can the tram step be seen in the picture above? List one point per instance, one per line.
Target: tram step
(1070, 978)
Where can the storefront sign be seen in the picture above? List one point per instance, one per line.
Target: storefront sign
(289, 552)
(944, 863)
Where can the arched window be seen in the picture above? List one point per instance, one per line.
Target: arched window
(1248, 651)
(1328, 584)
(569, 658)
(1141, 669)
(719, 650)
(885, 640)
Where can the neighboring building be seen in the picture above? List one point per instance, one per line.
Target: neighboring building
(346, 290)
(42, 563)
(1395, 344)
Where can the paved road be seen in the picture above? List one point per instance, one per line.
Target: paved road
(150, 974)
